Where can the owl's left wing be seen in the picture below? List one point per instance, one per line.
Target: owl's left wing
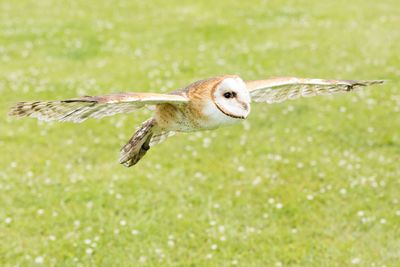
(277, 90)
(80, 109)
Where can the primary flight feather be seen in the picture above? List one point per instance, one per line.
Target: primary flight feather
(203, 105)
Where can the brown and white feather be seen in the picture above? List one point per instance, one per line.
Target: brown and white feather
(80, 109)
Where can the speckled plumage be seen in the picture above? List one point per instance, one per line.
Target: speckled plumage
(203, 105)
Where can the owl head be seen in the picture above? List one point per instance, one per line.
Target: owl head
(232, 98)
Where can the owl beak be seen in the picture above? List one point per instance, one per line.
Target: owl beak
(246, 107)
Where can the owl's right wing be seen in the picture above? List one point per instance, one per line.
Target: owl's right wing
(279, 89)
(80, 109)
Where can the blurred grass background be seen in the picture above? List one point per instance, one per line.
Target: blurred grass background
(312, 182)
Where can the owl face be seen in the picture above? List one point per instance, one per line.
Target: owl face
(232, 98)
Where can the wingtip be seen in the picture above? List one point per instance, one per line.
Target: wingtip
(371, 82)
(366, 82)
(127, 162)
(16, 110)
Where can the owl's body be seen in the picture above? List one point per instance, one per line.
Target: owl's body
(200, 113)
(203, 105)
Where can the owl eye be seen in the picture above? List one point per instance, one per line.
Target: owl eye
(229, 94)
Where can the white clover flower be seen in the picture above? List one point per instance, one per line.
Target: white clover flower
(135, 232)
(89, 251)
(39, 260)
(355, 261)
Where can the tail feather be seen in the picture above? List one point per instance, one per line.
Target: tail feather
(138, 145)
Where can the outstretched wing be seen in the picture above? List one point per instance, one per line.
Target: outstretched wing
(277, 90)
(79, 109)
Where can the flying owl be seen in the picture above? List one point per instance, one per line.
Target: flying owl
(203, 105)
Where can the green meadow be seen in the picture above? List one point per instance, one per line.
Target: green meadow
(309, 182)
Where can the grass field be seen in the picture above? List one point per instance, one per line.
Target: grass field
(311, 182)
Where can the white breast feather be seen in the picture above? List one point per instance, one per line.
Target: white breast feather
(215, 117)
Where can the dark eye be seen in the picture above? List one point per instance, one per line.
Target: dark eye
(229, 94)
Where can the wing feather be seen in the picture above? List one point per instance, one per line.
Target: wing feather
(277, 90)
(80, 109)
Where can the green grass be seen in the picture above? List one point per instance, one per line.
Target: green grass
(312, 182)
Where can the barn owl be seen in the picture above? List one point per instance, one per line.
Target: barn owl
(203, 105)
